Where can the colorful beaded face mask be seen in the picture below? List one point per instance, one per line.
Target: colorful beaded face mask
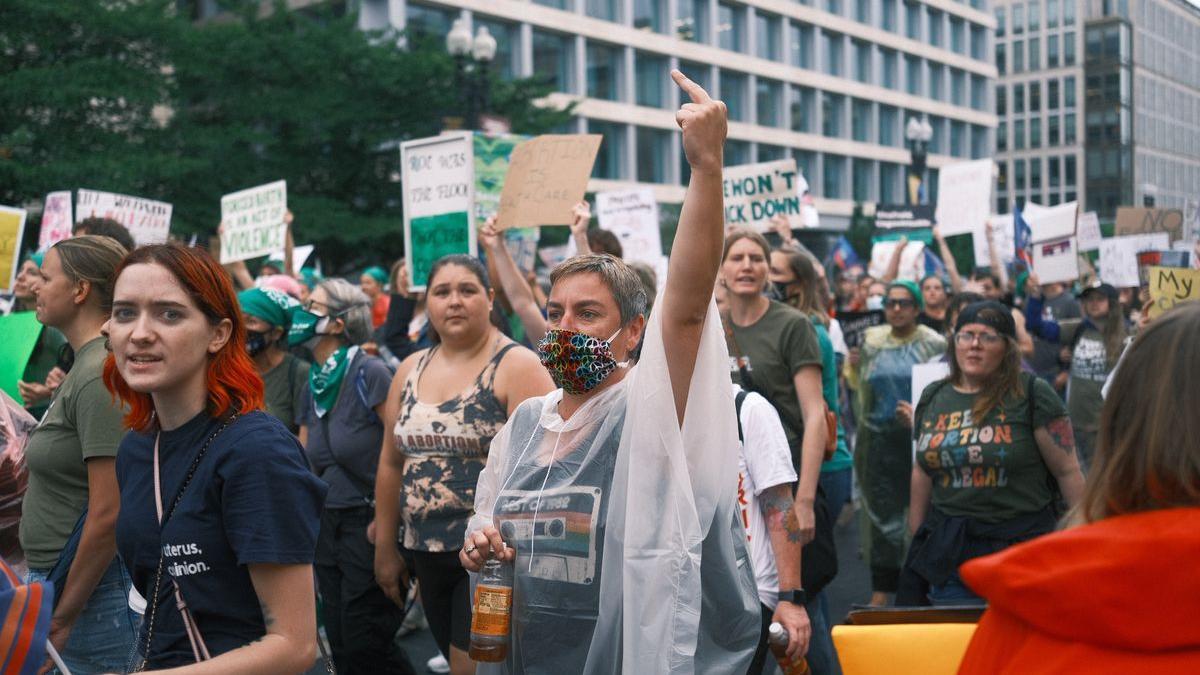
(577, 362)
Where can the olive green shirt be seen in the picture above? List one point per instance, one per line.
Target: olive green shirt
(82, 422)
(283, 388)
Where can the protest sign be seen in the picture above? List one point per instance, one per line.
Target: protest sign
(546, 177)
(1056, 261)
(522, 245)
(964, 197)
(253, 222)
(21, 331)
(855, 325)
(892, 216)
(925, 374)
(912, 259)
(492, 157)
(300, 255)
(437, 176)
(12, 228)
(1118, 257)
(56, 219)
(755, 193)
(1002, 238)
(1170, 286)
(1087, 231)
(1136, 220)
(632, 215)
(147, 220)
(1053, 223)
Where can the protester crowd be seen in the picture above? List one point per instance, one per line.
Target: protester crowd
(239, 469)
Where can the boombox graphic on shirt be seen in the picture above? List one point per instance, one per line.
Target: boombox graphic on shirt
(556, 527)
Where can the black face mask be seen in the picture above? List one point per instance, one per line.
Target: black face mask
(256, 342)
(779, 291)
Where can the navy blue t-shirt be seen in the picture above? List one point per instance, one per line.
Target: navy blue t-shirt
(251, 500)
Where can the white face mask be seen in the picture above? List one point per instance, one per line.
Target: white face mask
(874, 302)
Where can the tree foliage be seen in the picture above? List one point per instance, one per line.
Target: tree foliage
(245, 99)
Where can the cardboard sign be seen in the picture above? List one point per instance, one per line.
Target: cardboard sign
(912, 260)
(1135, 220)
(1003, 239)
(925, 374)
(756, 193)
(546, 177)
(437, 175)
(1053, 223)
(12, 228)
(1118, 257)
(56, 220)
(253, 222)
(1056, 261)
(632, 215)
(964, 197)
(855, 325)
(1170, 286)
(892, 216)
(1087, 231)
(147, 220)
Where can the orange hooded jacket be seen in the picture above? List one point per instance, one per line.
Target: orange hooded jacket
(1121, 595)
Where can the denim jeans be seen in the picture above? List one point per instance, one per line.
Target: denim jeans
(103, 636)
(953, 592)
(837, 486)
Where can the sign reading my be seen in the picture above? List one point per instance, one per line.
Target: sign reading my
(1170, 286)
(755, 193)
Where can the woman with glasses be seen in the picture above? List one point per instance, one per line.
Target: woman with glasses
(880, 372)
(343, 411)
(994, 451)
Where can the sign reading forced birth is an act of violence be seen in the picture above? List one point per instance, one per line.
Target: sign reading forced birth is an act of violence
(253, 222)
(439, 189)
(755, 193)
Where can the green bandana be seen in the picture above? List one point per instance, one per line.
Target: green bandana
(269, 305)
(326, 381)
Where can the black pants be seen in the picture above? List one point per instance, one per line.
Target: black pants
(446, 597)
(360, 621)
(761, 653)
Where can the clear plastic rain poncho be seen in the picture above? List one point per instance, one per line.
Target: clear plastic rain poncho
(629, 555)
(883, 451)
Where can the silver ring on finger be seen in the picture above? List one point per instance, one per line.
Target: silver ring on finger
(469, 549)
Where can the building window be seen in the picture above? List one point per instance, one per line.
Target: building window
(957, 33)
(888, 21)
(1068, 14)
(1052, 94)
(604, 71)
(428, 23)
(1018, 56)
(860, 120)
(698, 73)
(935, 28)
(609, 10)
(1053, 172)
(912, 20)
(957, 144)
(1035, 53)
(834, 7)
(863, 175)
(1001, 62)
(1035, 16)
(733, 93)
(766, 30)
(978, 92)
(937, 146)
(610, 161)
(936, 92)
(835, 174)
(889, 179)
(1035, 96)
(889, 77)
(1019, 175)
(979, 142)
(1035, 132)
(804, 164)
(1052, 51)
(1068, 48)
(650, 15)
(802, 45)
(770, 99)
(1019, 97)
(862, 61)
(650, 82)
(505, 63)
(1069, 172)
(889, 127)
(770, 153)
(958, 87)
(731, 28)
(1001, 100)
(692, 22)
(1069, 92)
(912, 67)
(862, 11)
(1018, 19)
(553, 59)
(1035, 174)
(1019, 135)
(833, 53)
(653, 152)
(1070, 136)
(557, 4)
(737, 152)
(1000, 16)
(1052, 13)
(833, 109)
(1002, 136)
(803, 109)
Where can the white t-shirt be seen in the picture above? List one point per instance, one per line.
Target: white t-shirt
(765, 460)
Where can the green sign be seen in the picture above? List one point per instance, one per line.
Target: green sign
(20, 331)
(436, 236)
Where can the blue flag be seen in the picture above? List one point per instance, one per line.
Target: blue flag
(1022, 239)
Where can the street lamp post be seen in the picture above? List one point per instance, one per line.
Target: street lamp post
(471, 59)
(918, 133)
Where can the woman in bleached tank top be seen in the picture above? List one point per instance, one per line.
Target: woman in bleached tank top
(445, 405)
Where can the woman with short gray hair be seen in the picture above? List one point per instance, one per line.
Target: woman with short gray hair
(343, 409)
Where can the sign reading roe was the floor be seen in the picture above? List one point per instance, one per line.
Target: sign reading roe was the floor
(438, 176)
(755, 193)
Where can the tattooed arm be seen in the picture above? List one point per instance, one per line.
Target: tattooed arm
(783, 528)
(286, 595)
(1056, 442)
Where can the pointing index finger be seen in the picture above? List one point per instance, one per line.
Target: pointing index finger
(693, 90)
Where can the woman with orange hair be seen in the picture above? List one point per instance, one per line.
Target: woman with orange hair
(219, 512)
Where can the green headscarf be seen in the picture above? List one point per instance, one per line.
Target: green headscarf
(269, 305)
(911, 287)
(36, 257)
(377, 273)
(311, 277)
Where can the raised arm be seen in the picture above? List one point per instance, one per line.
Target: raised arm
(512, 280)
(581, 215)
(696, 252)
(994, 256)
(956, 282)
(893, 268)
(289, 246)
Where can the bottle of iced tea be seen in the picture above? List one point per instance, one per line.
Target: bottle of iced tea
(777, 640)
(493, 612)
